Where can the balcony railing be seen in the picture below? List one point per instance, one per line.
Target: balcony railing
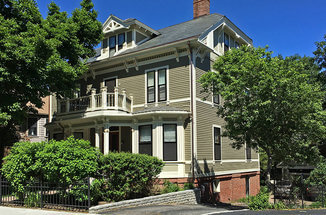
(101, 101)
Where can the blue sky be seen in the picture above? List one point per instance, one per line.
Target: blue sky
(287, 26)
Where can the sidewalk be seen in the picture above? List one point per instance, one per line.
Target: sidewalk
(27, 211)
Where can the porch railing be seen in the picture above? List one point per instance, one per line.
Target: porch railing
(102, 100)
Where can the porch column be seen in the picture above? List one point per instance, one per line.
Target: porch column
(116, 98)
(134, 142)
(104, 97)
(93, 101)
(106, 137)
(97, 138)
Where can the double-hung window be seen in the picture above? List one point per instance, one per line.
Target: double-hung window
(32, 126)
(217, 143)
(226, 42)
(170, 142)
(121, 40)
(112, 44)
(156, 85)
(145, 139)
(216, 97)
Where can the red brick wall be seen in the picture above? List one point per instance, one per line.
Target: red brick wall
(232, 186)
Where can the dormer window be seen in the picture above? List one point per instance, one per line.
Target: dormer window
(226, 42)
(112, 44)
(121, 40)
(237, 45)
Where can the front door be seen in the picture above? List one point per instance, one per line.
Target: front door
(114, 139)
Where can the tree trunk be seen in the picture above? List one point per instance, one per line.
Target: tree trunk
(269, 169)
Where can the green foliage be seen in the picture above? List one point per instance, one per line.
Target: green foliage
(188, 186)
(63, 162)
(317, 176)
(260, 201)
(33, 200)
(169, 187)
(271, 103)
(128, 175)
(320, 53)
(317, 204)
(40, 56)
(279, 206)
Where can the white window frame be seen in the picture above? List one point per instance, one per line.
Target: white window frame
(220, 127)
(156, 85)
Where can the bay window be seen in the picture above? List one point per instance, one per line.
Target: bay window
(145, 139)
(170, 142)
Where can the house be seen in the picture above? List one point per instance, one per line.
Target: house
(33, 128)
(142, 95)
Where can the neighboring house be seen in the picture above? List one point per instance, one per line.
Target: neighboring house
(33, 129)
(142, 95)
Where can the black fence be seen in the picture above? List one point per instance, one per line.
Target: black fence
(47, 195)
(295, 192)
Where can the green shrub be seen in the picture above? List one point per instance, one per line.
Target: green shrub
(33, 200)
(279, 206)
(62, 162)
(188, 186)
(169, 187)
(260, 201)
(128, 176)
(317, 204)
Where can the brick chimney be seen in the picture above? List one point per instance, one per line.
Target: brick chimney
(201, 8)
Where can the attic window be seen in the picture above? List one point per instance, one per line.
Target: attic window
(226, 42)
(112, 43)
(121, 41)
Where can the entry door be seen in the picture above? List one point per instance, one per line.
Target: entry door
(110, 84)
(114, 141)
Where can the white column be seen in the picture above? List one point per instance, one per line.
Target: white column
(116, 98)
(159, 139)
(131, 104)
(97, 138)
(124, 99)
(93, 101)
(106, 137)
(134, 143)
(104, 96)
(180, 141)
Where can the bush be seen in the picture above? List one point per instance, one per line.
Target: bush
(61, 162)
(188, 186)
(261, 201)
(170, 187)
(127, 175)
(33, 200)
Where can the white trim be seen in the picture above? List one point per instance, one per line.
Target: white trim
(227, 172)
(220, 127)
(194, 114)
(170, 101)
(239, 161)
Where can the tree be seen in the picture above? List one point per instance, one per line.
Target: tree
(271, 103)
(320, 53)
(39, 56)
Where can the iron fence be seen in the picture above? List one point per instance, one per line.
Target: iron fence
(40, 194)
(296, 193)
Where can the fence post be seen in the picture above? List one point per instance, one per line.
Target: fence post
(41, 194)
(302, 188)
(0, 189)
(89, 192)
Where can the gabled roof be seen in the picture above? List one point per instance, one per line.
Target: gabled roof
(125, 24)
(190, 29)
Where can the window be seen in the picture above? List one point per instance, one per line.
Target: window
(121, 40)
(112, 44)
(145, 139)
(236, 45)
(32, 126)
(232, 42)
(162, 85)
(129, 38)
(226, 42)
(105, 43)
(170, 142)
(216, 97)
(151, 87)
(217, 143)
(157, 86)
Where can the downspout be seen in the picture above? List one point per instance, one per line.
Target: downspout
(192, 113)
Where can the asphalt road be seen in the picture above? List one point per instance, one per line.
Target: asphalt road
(272, 212)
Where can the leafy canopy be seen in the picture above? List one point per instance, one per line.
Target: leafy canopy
(42, 56)
(269, 102)
(320, 53)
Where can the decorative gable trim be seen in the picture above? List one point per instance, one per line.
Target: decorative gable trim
(113, 23)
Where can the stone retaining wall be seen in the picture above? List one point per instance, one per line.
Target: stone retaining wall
(181, 198)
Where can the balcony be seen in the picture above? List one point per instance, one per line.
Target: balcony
(94, 102)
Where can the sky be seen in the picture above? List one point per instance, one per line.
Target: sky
(288, 27)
